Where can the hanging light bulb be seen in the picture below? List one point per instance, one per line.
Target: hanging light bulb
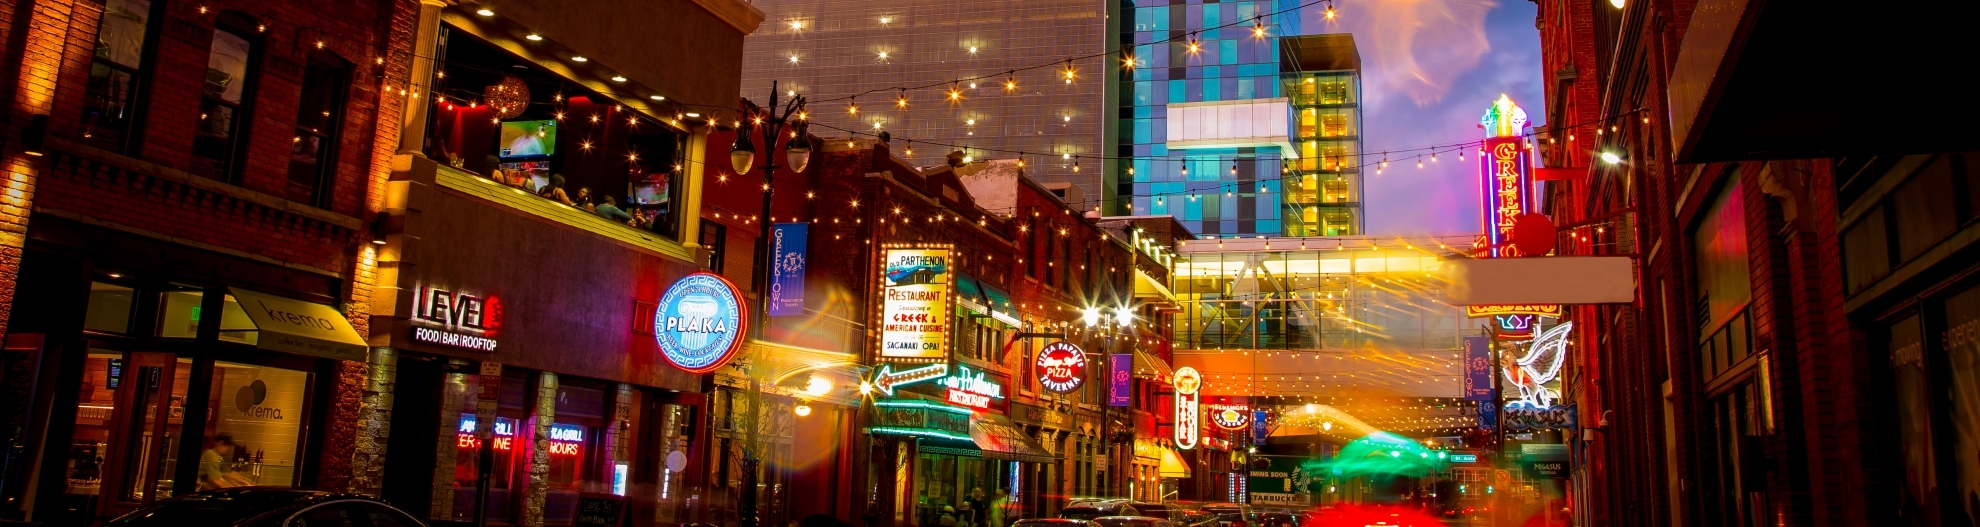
(1075, 165)
(853, 107)
(1330, 10)
(1234, 167)
(1194, 45)
(1257, 28)
(955, 95)
(909, 151)
(1069, 72)
(1010, 84)
(1419, 162)
(1185, 170)
(902, 102)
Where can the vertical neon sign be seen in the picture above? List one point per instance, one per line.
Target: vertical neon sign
(1504, 173)
(1188, 426)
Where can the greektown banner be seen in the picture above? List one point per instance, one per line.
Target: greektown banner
(1120, 386)
(787, 250)
(1477, 369)
(915, 304)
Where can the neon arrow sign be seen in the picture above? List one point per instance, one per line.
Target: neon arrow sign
(887, 379)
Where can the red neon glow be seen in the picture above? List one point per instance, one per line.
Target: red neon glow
(468, 441)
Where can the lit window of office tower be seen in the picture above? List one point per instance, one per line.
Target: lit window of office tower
(1234, 124)
(829, 49)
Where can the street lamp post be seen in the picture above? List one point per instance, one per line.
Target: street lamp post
(742, 157)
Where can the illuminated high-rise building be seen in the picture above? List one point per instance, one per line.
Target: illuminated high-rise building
(1236, 125)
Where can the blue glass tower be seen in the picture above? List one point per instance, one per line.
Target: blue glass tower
(1207, 113)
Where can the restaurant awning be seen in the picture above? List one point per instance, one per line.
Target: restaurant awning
(969, 295)
(953, 447)
(1000, 439)
(295, 326)
(1173, 465)
(1151, 367)
(1148, 290)
(1001, 307)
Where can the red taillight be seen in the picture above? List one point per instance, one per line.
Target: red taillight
(1240, 523)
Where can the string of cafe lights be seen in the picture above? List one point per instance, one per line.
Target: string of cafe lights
(1227, 188)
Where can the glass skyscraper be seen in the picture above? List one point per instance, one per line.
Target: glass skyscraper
(1241, 130)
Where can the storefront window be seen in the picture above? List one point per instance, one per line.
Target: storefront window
(1962, 339)
(178, 313)
(575, 461)
(509, 448)
(551, 145)
(109, 308)
(254, 426)
(1914, 427)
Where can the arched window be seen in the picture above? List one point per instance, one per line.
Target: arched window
(224, 100)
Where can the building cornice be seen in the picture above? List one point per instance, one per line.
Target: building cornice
(737, 13)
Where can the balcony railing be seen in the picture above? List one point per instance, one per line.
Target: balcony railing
(521, 202)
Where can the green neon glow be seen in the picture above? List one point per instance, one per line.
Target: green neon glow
(916, 432)
(923, 406)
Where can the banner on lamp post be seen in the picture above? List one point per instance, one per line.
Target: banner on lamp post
(787, 251)
(1120, 385)
(1477, 369)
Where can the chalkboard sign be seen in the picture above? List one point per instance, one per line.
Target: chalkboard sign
(599, 510)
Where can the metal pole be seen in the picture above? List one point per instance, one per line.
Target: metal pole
(746, 505)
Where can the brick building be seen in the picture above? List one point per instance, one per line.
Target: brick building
(1025, 268)
(168, 159)
(352, 276)
(1799, 284)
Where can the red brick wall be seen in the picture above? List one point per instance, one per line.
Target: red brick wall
(147, 193)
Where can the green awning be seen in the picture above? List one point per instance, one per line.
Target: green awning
(1001, 307)
(969, 295)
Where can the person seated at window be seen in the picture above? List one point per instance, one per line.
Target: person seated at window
(555, 190)
(495, 171)
(608, 208)
(583, 200)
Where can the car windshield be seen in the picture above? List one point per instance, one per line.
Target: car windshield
(1125, 522)
(1043, 523)
(1154, 512)
(1228, 515)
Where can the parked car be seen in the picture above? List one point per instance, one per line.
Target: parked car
(1088, 510)
(1191, 517)
(1156, 510)
(1232, 514)
(1278, 518)
(1052, 522)
(1131, 521)
(267, 507)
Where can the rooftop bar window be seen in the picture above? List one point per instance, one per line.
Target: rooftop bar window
(507, 119)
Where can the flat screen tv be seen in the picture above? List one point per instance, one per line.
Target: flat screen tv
(527, 139)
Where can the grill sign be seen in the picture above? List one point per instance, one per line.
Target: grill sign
(1061, 367)
(1230, 416)
(1188, 413)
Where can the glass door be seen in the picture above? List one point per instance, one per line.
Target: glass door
(126, 431)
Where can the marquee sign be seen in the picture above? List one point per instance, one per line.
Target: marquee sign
(915, 311)
(453, 318)
(1189, 385)
(700, 322)
(1061, 367)
(1230, 416)
(974, 391)
(1544, 310)
(1503, 170)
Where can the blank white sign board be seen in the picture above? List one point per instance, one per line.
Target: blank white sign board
(1541, 280)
